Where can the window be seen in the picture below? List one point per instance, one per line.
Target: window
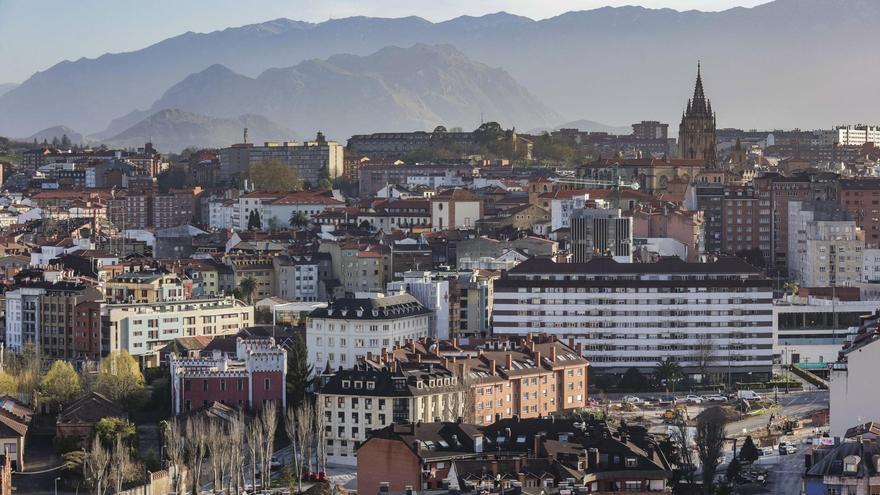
(267, 384)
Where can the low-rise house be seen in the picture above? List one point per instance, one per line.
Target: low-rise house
(852, 467)
(77, 420)
(13, 430)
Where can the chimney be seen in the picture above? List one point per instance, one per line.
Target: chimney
(418, 358)
(580, 349)
(592, 458)
(369, 356)
(509, 361)
(537, 359)
(494, 466)
(461, 368)
(446, 363)
(538, 444)
(492, 367)
(455, 342)
(412, 345)
(571, 342)
(553, 353)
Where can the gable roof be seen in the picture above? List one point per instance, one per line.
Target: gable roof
(89, 409)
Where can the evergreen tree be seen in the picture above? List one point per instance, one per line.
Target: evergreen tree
(749, 452)
(299, 371)
(65, 141)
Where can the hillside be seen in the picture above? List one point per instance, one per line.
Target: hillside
(173, 130)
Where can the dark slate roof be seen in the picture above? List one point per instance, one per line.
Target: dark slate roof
(398, 381)
(666, 265)
(89, 409)
(832, 464)
(381, 308)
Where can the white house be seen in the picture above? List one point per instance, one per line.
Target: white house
(854, 382)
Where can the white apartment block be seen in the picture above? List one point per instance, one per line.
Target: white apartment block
(433, 292)
(297, 278)
(23, 316)
(853, 381)
(143, 329)
(850, 135)
(633, 315)
(361, 399)
(562, 206)
(277, 208)
(348, 329)
(824, 245)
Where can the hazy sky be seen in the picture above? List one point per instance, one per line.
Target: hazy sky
(36, 34)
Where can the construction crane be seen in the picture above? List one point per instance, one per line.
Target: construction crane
(614, 185)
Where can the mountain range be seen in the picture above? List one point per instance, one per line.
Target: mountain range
(781, 64)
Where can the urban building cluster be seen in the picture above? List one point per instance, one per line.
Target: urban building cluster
(452, 318)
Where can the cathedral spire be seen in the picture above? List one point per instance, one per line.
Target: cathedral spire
(699, 99)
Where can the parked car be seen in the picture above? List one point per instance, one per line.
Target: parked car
(747, 395)
(714, 398)
(667, 400)
(632, 399)
(694, 399)
(786, 448)
(767, 451)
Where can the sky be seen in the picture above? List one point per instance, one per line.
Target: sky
(36, 34)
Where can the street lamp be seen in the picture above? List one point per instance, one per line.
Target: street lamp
(56, 485)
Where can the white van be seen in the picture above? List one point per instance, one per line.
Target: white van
(747, 395)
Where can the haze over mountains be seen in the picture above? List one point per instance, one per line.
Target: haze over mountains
(780, 64)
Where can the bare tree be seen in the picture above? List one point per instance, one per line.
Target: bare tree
(710, 442)
(196, 448)
(215, 443)
(681, 440)
(174, 450)
(290, 427)
(269, 416)
(704, 354)
(304, 432)
(320, 434)
(96, 464)
(254, 435)
(236, 452)
(120, 464)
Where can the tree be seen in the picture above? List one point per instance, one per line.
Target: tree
(121, 463)
(120, 378)
(173, 178)
(254, 435)
(65, 141)
(61, 384)
(269, 418)
(274, 175)
(247, 286)
(710, 442)
(668, 371)
(8, 385)
(174, 450)
(681, 445)
(733, 470)
(299, 220)
(325, 185)
(111, 429)
(299, 371)
(633, 380)
(749, 452)
(96, 464)
(254, 221)
(196, 434)
(291, 419)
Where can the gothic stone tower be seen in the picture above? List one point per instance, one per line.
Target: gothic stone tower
(696, 133)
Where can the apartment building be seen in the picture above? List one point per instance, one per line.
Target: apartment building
(347, 329)
(600, 232)
(670, 221)
(311, 160)
(276, 208)
(297, 278)
(359, 267)
(433, 292)
(712, 318)
(746, 221)
(177, 207)
(248, 379)
(147, 286)
(143, 329)
(824, 245)
(367, 396)
(861, 197)
(850, 135)
(529, 376)
(455, 209)
(260, 268)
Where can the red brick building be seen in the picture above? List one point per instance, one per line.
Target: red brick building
(861, 197)
(87, 330)
(254, 375)
(746, 221)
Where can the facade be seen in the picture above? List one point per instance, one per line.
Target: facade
(178, 207)
(824, 245)
(709, 198)
(254, 375)
(276, 209)
(23, 313)
(853, 380)
(297, 278)
(347, 329)
(861, 197)
(696, 133)
(433, 292)
(711, 318)
(311, 160)
(746, 222)
(600, 232)
(144, 287)
(455, 209)
(364, 398)
(143, 329)
(850, 135)
(669, 221)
